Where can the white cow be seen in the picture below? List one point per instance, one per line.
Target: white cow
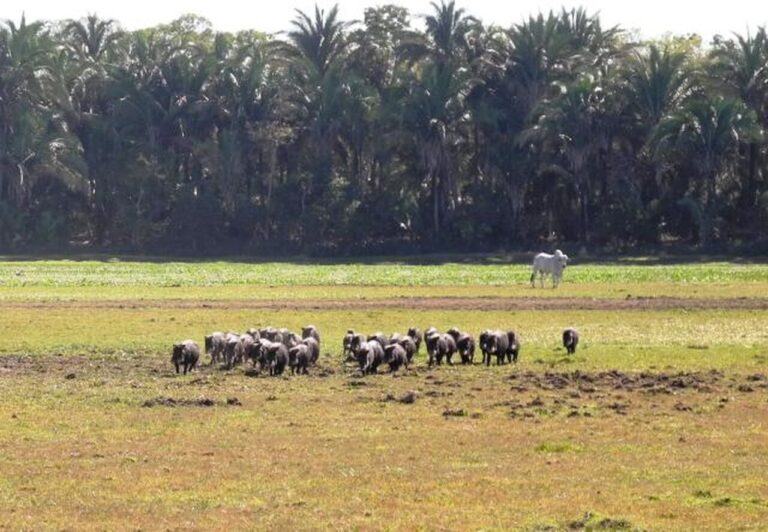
(544, 264)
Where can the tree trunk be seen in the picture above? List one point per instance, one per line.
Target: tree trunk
(582, 190)
(749, 194)
(476, 142)
(435, 204)
(517, 202)
(585, 233)
(708, 211)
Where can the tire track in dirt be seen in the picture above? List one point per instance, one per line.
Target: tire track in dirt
(420, 303)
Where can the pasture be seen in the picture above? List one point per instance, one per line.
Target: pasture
(659, 420)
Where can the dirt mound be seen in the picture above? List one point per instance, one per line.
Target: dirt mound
(590, 382)
(200, 401)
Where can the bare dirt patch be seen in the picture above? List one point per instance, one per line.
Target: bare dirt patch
(469, 430)
(592, 393)
(450, 392)
(68, 366)
(421, 303)
(200, 401)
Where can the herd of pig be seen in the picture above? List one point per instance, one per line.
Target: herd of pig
(274, 350)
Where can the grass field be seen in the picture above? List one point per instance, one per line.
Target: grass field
(659, 422)
(385, 272)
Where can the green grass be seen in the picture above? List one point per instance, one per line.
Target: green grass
(217, 281)
(333, 450)
(186, 274)
(628, 339)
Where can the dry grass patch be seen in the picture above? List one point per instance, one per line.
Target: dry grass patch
(303, 452)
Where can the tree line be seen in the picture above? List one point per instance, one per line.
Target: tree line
(397, 133)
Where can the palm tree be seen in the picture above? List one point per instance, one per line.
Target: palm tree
(32, 143)
(39, 159)
(536, 53)
(537, 70)
(376, 74)
(591, 45)
(247, 88)
(572, 131)
(320, 41)
(515, 74)
(78, 86)
(447, 29)
(93, 38)
(318, 86)
(437, 99)
(23, 54)
(707, 132)
(742, 66)
(658, 81)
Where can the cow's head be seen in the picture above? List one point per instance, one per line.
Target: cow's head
(561, 258)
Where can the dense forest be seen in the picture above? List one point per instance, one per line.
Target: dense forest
(398, 133)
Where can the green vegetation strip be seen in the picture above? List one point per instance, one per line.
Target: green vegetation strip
(115, 273)
(627, 339)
